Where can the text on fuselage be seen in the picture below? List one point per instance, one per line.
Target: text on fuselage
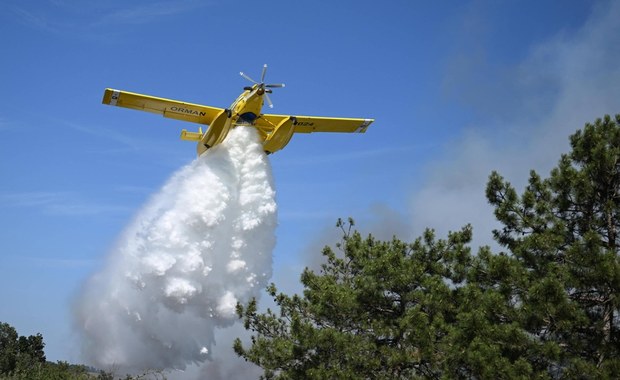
(187, 111)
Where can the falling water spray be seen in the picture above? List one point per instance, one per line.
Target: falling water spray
(202, 244)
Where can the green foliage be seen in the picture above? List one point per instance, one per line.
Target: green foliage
(50, 371)
(380, 310)
(19, 353)
(23, 358)
(562, 233)
(8, 348)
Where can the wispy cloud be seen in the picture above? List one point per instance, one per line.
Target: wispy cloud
(57, 203)
(124, 142)
(33, 20)
(86, 19)
(129, 189)
(150, 12)
(62, 263)
(108, 134)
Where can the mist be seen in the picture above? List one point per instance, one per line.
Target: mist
(203, 243)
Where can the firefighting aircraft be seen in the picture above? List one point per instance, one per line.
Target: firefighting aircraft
(275, 131)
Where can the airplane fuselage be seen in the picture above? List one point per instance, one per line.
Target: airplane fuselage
(245, 110)
(248, 105)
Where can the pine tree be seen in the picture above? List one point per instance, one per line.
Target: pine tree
(562, 237)
(380, 310)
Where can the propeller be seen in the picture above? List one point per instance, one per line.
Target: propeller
(263, 89)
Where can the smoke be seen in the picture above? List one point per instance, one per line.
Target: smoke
(564, 82)
(202, 244)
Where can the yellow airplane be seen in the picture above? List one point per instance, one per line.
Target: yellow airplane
(275, 131)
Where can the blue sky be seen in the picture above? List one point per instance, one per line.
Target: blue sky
(457, 88)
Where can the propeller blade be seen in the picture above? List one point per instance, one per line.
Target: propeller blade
(268, 100)
(248, 78)
(262, 76)
(275, 85)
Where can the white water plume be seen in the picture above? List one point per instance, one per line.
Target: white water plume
(202, 244)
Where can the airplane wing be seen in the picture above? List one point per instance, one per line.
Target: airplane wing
(309, 124)
(174, 109)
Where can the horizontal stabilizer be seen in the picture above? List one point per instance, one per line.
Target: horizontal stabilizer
(190, 136)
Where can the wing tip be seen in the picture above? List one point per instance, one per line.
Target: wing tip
(362, 128)
(110, 96)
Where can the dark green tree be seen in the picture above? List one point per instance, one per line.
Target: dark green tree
(487, 340)
(563, 277)
(378, 310)
(19, 354)
(30, 351)
(8, 348)
(23, 358)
